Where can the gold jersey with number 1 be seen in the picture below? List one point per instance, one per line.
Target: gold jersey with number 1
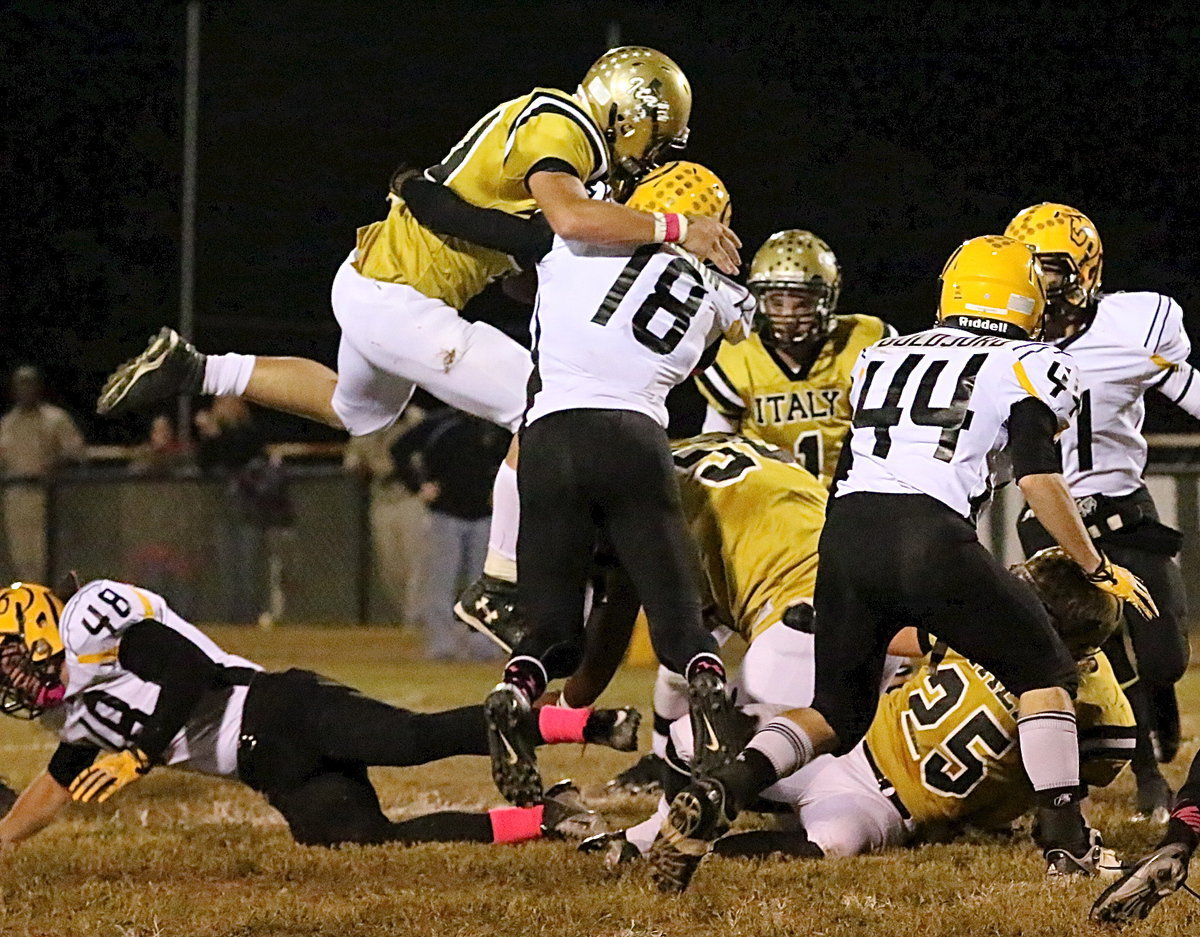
(489, 167)
(756, 518)
(803, 411)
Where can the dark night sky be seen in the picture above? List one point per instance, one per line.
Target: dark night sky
(894, 135)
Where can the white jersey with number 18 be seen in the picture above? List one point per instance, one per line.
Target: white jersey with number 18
(614, 331)
(931, 412)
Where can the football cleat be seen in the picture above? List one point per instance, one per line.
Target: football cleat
(698, 816)
(1096, 859)
(716, 724)
(511, 745)
(615, 848)
(489, 605)
(1154, 799)
(644, 776)
(169, 367)
(616, 728)
(1144, 885)
(566, 816)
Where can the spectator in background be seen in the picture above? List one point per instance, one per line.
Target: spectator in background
(398, 518)
(450, 460)
(163, 454)
(37, 439)
(258, 510)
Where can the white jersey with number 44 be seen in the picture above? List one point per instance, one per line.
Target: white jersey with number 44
(931, 412)
(615, 331)
(1135, 342)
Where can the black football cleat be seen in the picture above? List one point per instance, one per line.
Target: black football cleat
(511, 745)
(566, 816)
(1144, 885)
(698, 816)
(169, 367)
(614, 848)
(489, 605)
(614, 728)
(717, 728)
(1094, 860)
(644, 776)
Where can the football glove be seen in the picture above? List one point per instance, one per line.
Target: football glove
(1118, 581)
(108, 774)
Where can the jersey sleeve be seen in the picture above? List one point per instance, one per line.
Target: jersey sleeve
(1044, 373)
(553, 133)
(718, 388)
(97, 617)
(1169, 340)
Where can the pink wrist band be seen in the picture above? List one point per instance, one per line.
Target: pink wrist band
(515, 824)
(558, 724)
(674, 229)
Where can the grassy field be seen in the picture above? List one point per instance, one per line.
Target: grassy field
(180, 855)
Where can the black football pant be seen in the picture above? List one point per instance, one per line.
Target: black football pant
(306, 745)
(924, 567)
(586, 473)
(1148, 657)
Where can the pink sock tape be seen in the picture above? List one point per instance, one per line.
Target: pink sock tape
(559, 724)
(515, 824)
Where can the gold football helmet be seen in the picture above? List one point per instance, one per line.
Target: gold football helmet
(641, 101)
(1083, 616)
(994, 284)
(797, 280)
(1069, 248)
(687, 188)
(31, 649)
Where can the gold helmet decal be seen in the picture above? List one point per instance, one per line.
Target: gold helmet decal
(30, 649)
(797, 280)
(993, 284)
(687, 188)
(641, 101)
(1066, 243)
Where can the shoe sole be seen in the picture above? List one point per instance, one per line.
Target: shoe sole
(513, 766)
(676, 853)
(711, 706)
(117, 387)
(477, 625)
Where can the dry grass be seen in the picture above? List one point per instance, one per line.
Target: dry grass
(188, 857)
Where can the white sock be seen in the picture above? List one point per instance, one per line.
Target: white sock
(784, 744)
(1050, 749)
(643, 834)
(227, 375)
(670, 703)
(501, 560)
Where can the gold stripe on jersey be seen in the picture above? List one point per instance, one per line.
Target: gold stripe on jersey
(804, 413)
(488, 168)
(756, 518)
(1024, 381)
(947, 740)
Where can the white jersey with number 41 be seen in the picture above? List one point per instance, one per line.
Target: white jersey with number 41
(931, 412)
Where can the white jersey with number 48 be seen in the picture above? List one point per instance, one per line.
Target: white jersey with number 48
(1135, 342)
(613, 331)
(931, 412)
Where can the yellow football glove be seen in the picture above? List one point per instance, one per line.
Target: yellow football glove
(108, 774)
(1118, 581)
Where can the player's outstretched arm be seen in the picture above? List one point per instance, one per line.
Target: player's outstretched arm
(575, 217)
(1050, 500)
(34, 810)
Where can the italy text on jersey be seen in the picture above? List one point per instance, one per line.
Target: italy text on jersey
(931, 412)
(614, 331)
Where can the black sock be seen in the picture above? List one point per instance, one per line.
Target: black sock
(446, 827)
(528, 675)
(746, 777)
(1060, 824)
(767, 842)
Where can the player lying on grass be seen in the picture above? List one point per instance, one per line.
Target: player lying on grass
(1165, 870)
(941, 752)
(128, 685)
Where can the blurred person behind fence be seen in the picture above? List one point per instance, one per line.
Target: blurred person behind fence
(398, 517)
(163, 454)
(37, 439)
(258, 510)
(449, 461)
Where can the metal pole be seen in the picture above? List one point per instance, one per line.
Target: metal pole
(187, 238)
